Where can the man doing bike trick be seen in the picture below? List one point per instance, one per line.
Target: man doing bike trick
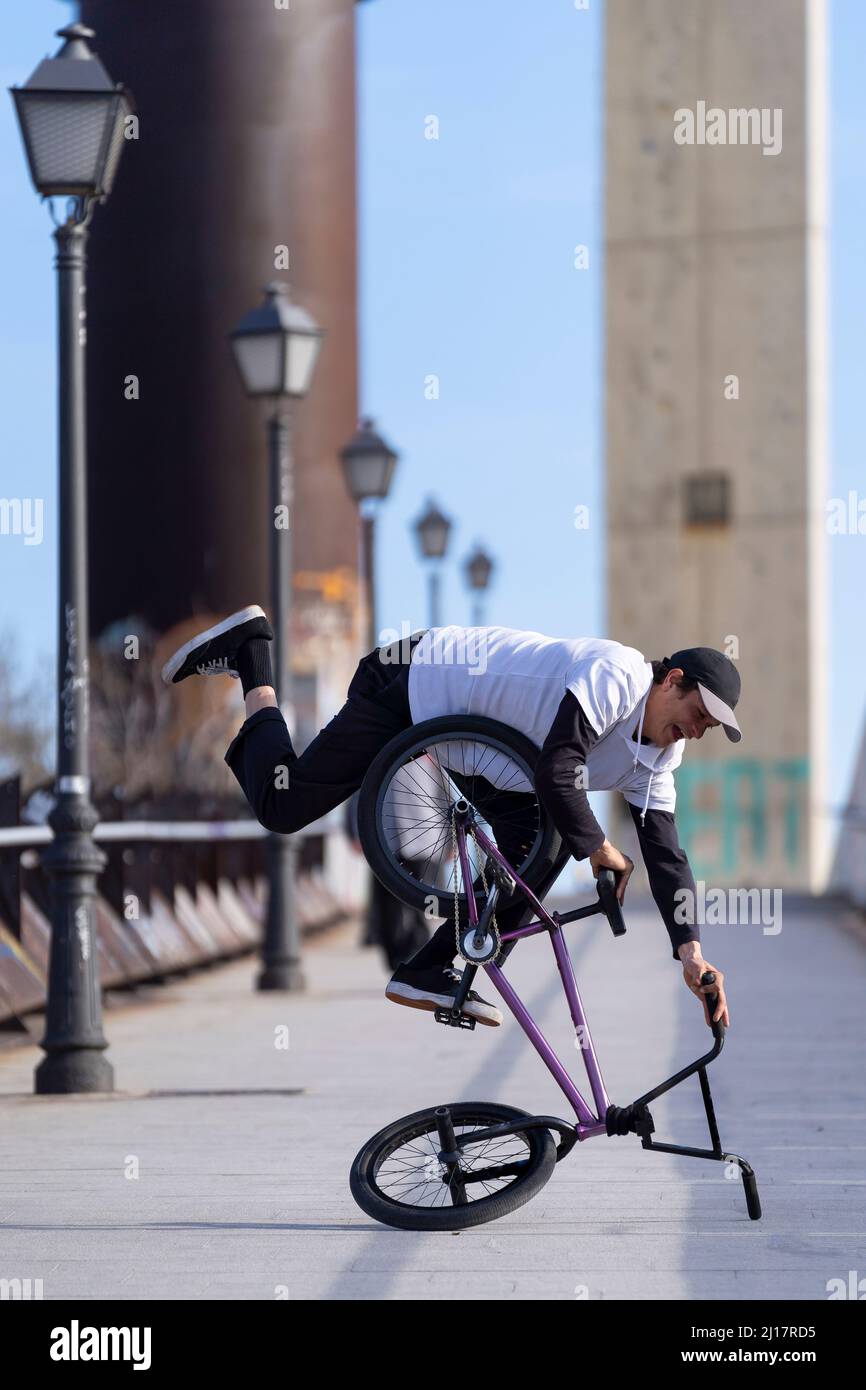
(605, 719)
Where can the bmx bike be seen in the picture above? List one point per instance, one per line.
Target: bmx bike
(448, 818)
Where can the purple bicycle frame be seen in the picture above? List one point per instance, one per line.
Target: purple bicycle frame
(588, 1123)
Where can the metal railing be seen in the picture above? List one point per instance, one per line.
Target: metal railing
(173, 895)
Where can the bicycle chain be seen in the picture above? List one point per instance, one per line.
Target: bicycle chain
(492, 925)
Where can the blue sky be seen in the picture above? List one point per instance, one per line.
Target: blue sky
(486, 298)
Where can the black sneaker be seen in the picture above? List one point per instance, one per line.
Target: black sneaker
(437, 989)
(214, 651)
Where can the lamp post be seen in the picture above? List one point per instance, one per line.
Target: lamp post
(276, 347)
(432, 530)
(478, 567)
(72, 120)
(368, 465)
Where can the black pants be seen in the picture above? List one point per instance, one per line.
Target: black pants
(287, 792)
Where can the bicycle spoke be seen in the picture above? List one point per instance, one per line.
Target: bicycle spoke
(415, 811)
(404, 1175)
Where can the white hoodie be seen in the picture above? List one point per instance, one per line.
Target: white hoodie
(520, 678)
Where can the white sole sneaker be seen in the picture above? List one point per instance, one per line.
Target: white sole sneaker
(422, 999)
(243, 615)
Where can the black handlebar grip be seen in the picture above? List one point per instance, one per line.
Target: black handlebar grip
(606, 882)
(708, 978)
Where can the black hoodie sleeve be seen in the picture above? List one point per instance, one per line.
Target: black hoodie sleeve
(561, 790)
(563, 793)
(668, 871)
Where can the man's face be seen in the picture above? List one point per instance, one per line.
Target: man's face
(672, 715)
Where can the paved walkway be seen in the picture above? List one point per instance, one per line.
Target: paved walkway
(243, 1149)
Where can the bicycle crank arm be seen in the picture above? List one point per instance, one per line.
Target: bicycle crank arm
(477, 944)
(455, 1017)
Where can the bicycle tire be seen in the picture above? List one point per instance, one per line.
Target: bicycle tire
(541, 1161)
(409, 891)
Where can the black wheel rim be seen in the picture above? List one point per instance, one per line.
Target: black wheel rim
(414, 802)
(408, 1173)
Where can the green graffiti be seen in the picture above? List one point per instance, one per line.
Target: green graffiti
(794, 772)
(731, 804)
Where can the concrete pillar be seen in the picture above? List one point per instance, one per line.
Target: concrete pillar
(715, 366)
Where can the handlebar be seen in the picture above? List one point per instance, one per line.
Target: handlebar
(607, 881)
(709, 978)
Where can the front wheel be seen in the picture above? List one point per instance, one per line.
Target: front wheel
(398, 1178)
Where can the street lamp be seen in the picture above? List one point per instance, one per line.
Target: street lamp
(276, 347)
(368, 465)
(433, 530)
(72, 119)
(477, 567)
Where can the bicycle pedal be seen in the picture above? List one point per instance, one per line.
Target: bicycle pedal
(453, 1020)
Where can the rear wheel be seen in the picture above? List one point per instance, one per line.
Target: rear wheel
(399, 1179)
(406, 800)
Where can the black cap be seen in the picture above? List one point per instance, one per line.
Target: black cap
(718, 681)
